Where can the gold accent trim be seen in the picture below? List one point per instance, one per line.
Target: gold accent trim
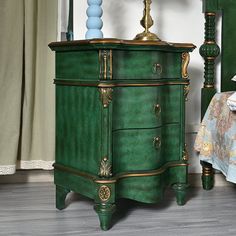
(111, 61)
(210, 14)
(186, 91)
(140, 174)
(208, 85)
(121, 42)
(105, 65)
(185, 62)
(104, 193)
(207, 171)
(119, 176)
(74, 171)
(106, 96)
(210, 58)
(210, 42)
(147, 22)
(185, 153)
(114, 83)
(105, 168)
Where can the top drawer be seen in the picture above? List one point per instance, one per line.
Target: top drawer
(146, 64)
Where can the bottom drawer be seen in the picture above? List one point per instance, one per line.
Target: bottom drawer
(145, 149)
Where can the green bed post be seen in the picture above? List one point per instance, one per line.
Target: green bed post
(69, 34)
(209, 51)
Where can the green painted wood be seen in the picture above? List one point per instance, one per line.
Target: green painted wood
(127, 101)
(210, 5)
(78, 128)
(61, 194)
(135, 149)
(180, 192)
(228, 59)
(145, 64)
(84, 65)
(75, 183)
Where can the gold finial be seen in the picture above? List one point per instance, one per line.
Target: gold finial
(147, 22)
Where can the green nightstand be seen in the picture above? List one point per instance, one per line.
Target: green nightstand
(120, 108)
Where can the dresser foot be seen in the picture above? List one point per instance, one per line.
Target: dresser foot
(180, 193)
(105, 212)
(207, 176)
(60, 197)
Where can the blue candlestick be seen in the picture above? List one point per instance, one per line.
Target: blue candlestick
(94, 23)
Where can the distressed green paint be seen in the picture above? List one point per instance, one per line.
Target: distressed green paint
(136, 146)
(127, 112)
(123, 130)
(77, 130)
(141, 65)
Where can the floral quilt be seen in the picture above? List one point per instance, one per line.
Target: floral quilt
(216, 139)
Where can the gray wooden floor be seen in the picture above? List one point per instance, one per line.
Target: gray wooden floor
(28, 209)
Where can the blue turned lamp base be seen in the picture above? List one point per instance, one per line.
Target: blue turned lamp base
(94, 23)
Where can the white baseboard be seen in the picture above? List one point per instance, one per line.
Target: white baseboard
(34, 176)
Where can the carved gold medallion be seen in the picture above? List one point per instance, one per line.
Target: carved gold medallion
(104, 193)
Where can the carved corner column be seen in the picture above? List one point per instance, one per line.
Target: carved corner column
(105, 199)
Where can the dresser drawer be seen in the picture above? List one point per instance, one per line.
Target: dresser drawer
(146, 65)
(146, 107)
(145, 149)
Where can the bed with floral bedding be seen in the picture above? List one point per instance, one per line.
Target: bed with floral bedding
(216, 139)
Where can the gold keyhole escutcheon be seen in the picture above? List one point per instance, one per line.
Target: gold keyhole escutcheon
(157, 142)
(157, 109)
(157, 68)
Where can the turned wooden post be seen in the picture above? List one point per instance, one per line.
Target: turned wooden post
(209, 51)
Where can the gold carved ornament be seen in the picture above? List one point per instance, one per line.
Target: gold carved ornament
(185, 63)
(106, 96)
(104, 193)
(105, 168)
(185, 153)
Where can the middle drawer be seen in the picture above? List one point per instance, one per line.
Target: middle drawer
(146, 107)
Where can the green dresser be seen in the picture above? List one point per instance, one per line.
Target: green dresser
(120, 111)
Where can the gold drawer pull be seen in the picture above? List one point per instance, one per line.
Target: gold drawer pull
(157, 68)
(157, 142)
(157, 109)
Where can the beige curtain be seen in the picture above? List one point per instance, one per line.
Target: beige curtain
(26, 84)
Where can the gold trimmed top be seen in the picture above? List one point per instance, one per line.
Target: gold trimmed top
(121, 42)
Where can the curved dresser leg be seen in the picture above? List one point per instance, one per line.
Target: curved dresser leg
(180, 193)
(105, 212)
(60, 197)
(207, 176)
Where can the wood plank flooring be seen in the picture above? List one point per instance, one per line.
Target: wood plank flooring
(29, 210)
